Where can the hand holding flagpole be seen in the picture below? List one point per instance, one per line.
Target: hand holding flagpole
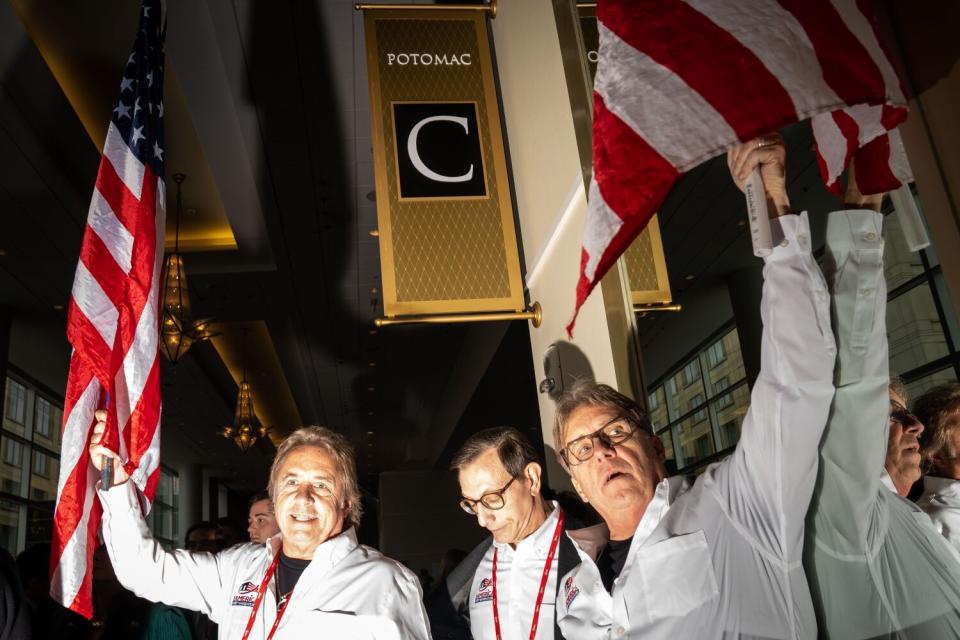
(758, 168)
(104, 459)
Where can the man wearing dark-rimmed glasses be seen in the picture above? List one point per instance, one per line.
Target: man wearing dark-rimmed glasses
(902, 463)
(507, 587)
(718, 556)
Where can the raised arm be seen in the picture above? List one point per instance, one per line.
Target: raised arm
(767, 483)
(179, 578)
(853, 449)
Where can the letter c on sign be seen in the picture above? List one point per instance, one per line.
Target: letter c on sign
(415, 155)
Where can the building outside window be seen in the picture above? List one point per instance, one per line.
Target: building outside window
(699, 406)
(30, 463)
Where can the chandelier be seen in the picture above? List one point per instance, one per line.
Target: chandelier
(246, 428)
(178, 331)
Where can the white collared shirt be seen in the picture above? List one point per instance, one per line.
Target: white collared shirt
(878, 568)
(349, 591)
(941, 501)
(722, 558)
(519, 572)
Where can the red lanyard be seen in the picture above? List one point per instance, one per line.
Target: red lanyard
(543, 581)
(256, 603)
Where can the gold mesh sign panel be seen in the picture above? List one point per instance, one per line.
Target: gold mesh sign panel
(647, 267)
(639, 257)
(440, 254)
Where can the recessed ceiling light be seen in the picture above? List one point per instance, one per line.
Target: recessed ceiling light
(58, 307)
(374, 233)
(689, 276)
(372, 332)
(371, 388)
(369, 413)
(371, 364)
(369, 433)
(3, 252)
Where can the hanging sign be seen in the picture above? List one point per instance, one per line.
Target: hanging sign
(448, 243)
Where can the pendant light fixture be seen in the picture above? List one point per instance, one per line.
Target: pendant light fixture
(246, 428)
(178, 331)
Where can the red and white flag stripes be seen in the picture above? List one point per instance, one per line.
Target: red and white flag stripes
(680, 82)
(112, 321)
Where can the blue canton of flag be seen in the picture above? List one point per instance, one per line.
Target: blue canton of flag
(138, 115)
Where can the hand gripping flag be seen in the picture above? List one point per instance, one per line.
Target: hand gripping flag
(679, 83)
(112, 321)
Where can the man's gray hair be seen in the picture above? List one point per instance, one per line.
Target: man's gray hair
(939, 411)
(341, 450)
(899, 387)
(513, 448)
(585, 393)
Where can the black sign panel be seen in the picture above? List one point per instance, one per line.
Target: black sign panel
(438, 150)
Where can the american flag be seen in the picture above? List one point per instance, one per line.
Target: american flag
(680, 82)
(112, 321)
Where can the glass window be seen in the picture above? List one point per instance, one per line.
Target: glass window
(658, 409)
(10, 515)
(691, 373)
(653, 401)
(715, 354)
(731, 365)
(728, 411)
(914, 330)
(667, 439)
(41, 418)
(680, 402)
(697, 401)
(12, 453)
(12, 476)
(163, 519)
(947, 303)
(43, 480)
(694, 440)
(15, 407)
(47, 421)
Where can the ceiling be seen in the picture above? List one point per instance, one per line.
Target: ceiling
(266, 113)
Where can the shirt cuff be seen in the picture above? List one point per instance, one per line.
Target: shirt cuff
(855, 230)
(119, 498)
(790, 235)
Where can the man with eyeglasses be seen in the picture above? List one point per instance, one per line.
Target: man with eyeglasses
(506, 588)
(718, 557)
(901, 468)
(877, 566)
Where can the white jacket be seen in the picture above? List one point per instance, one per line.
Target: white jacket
(519, 572)
(721, 558)
(941, 501)
(877, 566)
(348, 591)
